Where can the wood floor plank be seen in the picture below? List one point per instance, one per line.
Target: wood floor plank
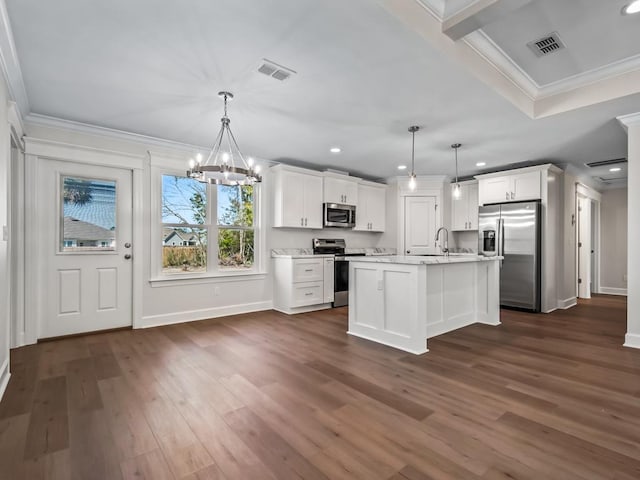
(49, 423)
(273, 450)
(271, 396)
(148, 466)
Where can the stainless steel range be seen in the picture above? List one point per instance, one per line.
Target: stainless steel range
(337, 247)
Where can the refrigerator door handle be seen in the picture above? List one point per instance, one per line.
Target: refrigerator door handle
(501, 240)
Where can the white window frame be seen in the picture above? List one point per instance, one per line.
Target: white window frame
(213, 272)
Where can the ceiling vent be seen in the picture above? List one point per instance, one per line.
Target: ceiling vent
(548, 44)
(611, 180)
(606, 163)
(273, 70)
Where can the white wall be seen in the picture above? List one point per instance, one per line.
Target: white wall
(170, 302)
(633, 236)
(5, 156)
(613, 241)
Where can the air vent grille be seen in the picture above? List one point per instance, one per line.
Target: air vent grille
(606, 163)
(610, 180)
(273, 70)
(548, 44)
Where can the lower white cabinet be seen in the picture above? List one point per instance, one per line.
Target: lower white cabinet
(303, 284)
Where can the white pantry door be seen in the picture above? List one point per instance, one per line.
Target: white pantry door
(85, 228)
(420, 223)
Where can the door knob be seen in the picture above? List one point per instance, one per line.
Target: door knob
(408, 251)
(127, 256)
(127, 245)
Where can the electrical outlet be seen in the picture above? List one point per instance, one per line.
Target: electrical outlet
(216, 291)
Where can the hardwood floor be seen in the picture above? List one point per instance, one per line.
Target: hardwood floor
(268, 396)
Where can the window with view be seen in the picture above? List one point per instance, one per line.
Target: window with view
(201, 221)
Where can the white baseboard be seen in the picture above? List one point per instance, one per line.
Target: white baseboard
(4, 377)
(203, 314)
(567, 303)
(613, 291)
(632, 340)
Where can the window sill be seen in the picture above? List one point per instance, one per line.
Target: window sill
(178, 280)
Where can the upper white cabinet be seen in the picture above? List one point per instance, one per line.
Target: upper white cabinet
(371, 207)
(464, 209)
(341, 190)
(298, 197)
(513, 186)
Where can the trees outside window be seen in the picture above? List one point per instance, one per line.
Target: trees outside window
(192, 213)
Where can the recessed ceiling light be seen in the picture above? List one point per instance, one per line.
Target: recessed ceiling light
(631, 8)
(615, 169)
(481, 164)
(402, 167)
(335, 149)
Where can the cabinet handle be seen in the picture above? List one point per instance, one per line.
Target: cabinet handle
(408, 251)
(305, 221)
(308, 294)
(507, 195)
(512, 195)
(302, 221)
(309, 270)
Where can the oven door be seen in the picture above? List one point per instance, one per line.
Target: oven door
(337, 215)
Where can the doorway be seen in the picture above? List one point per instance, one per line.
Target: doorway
(588, 242)
(84, 272)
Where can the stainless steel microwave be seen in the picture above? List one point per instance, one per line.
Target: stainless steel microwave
(338, 215)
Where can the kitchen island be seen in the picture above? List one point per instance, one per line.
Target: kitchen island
(401, 301)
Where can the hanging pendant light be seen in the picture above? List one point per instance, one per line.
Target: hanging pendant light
(225, 164)
(456, 188)
(412, 176)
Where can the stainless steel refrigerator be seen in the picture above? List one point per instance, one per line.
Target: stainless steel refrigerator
(512, 230)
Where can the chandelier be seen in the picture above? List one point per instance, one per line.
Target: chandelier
(225, 164)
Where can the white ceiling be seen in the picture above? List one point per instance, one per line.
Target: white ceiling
(594, 32)
(363, 78)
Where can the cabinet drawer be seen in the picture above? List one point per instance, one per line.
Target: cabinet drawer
(307, 293)
(308, 270)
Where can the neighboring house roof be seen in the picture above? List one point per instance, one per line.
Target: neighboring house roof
(74, 228)
(101, 210)
(169, 233)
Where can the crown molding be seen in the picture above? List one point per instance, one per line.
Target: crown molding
(483, 57)
(89, 129)
(10, 65)
(485, 47)
(632, 119)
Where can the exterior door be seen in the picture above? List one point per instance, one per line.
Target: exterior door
(420, 225)
(85, 251)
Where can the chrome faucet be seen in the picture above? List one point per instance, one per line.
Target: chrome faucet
(444, 249)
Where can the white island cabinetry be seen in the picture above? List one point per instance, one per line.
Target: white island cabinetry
(401, 301)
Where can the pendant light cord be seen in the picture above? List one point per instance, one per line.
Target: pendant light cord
(413, 151)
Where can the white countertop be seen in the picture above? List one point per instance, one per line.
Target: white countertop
(427, 260)
(308, 252)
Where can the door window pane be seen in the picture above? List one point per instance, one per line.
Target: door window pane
(235, 249)
(184, 249)
(88, 215)
(184, 200)
(235, 205)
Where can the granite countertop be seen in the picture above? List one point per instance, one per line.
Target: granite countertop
(427, 260)
(308, 252)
